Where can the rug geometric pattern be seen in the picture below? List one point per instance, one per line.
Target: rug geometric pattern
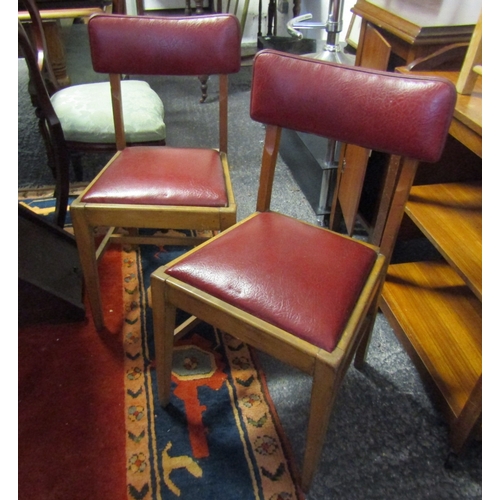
(220, 435)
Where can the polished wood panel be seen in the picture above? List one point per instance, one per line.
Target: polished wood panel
(473, 60)
(438, 319)
(450, 216)
(435, 308)
(354, 159)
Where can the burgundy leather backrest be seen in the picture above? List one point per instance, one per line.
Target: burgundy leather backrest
(142, 45)
(388, 112)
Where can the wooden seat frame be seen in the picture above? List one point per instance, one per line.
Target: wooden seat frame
(186, 50)
(312, 108)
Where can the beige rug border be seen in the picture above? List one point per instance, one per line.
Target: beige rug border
(48, 191)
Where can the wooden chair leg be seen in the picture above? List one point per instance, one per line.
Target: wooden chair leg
(85, 241)
(76, 163)
(62, 195)
(362, 350)
(199, 6)
(164, 328)
(324, 392)
(204, 87)
(462, 429)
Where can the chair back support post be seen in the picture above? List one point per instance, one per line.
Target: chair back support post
(116, 102)
(396, 211)
(268, 167)
(223, 112)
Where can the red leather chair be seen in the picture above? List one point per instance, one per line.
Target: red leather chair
(299, 292)
(157, 187)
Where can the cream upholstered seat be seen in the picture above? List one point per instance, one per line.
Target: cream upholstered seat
(299, 292)
(86, 113)
(85, 110)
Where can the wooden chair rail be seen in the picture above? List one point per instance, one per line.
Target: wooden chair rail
(82, 12)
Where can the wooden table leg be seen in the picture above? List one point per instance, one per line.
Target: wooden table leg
(296, 8)
(199, 10)
(57, 52)
(198, 4)
(204, 87)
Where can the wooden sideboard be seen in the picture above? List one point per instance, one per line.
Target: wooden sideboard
(415, 29)
(434, 302)
(435, 307)
(412, 30)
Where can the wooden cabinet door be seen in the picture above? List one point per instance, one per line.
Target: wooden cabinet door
(375, 52)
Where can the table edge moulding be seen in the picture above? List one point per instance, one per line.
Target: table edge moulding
(413, 30)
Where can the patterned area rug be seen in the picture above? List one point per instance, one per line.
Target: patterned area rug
(220, 435)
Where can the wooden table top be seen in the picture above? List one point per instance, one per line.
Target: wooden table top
(422, 21)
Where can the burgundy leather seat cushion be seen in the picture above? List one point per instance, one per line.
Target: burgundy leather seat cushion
(162, 176)
(298, 277)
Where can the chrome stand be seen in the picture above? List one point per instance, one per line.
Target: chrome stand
(333, 51)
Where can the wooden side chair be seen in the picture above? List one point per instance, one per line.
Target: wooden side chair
(50, 127)
(296, 291)
(157, 187)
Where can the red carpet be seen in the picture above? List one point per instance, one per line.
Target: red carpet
(70, 390)
(90, 426)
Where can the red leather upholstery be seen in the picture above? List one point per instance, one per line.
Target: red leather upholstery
(314, 295)
(162, 176)
(368, 114)
(136, 45)
(164, 46)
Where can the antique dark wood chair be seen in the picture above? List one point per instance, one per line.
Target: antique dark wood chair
(300, 292)
(157, 187)
(85, 110)
(50, 127)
